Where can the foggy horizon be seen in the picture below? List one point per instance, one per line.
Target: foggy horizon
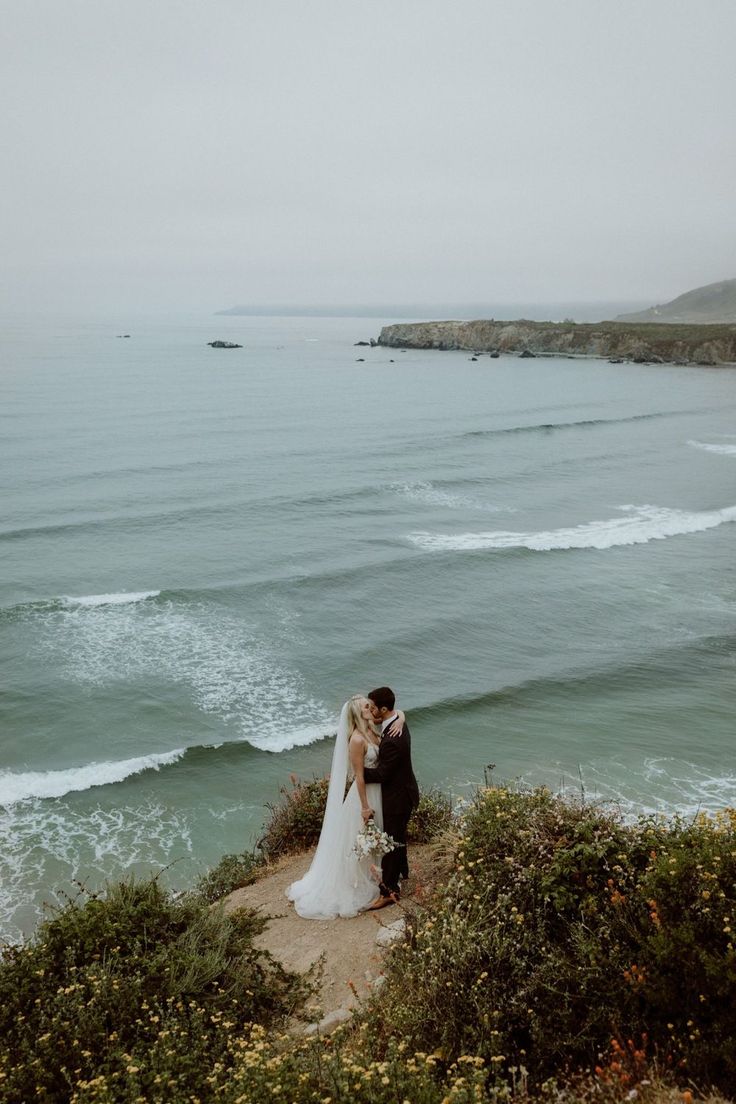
(177, 157)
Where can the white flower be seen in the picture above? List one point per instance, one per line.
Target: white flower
(372, 841)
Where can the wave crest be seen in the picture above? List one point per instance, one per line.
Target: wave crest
(121, 599)
(639, 525)
(721, 450)
(26, 785)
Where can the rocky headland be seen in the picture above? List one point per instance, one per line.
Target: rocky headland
(656, 343)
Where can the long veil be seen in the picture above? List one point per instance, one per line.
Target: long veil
(329, 887)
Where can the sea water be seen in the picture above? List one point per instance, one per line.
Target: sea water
(205, 552)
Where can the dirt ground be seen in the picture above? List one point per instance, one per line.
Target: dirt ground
(351, 959)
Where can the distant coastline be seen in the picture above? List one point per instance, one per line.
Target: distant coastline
(581, 311)
(706, 345)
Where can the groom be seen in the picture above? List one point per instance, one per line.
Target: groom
(399, 791)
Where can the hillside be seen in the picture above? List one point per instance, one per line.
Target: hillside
(712, 303)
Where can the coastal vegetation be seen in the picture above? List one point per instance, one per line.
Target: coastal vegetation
(559, 954)
(294, 824)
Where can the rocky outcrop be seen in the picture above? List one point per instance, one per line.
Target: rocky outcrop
(645, 343)
(223, 345)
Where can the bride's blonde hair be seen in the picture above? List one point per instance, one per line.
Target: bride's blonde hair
(357, 722)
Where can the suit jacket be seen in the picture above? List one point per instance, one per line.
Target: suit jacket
(399, 789)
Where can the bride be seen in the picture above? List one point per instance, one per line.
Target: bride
(338, 883)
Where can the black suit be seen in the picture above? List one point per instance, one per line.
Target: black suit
(400, 796)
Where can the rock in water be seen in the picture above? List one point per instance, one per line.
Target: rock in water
(224, 345)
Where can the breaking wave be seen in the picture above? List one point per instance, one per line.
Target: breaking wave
(17, 786)
(722, 450)
(224, 666)
(121, 599)
(20, 786)
(638, 525)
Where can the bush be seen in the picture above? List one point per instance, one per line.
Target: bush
(295, 822)
(136, 993)
(432, 816)
(232, 872)
(338, 1069)
(562, 927)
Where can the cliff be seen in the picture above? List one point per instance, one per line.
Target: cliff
(679, 344)
(703, 305)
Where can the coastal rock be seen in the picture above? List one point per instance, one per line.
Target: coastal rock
(223, 345)
(711, 344)
(356, 343)
(389, 934)
(526, 354)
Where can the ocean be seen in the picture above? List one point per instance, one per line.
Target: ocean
(205, 552)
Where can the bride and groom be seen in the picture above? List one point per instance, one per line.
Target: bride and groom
(373, 746)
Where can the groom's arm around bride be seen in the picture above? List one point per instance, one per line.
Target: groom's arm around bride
(399, 789)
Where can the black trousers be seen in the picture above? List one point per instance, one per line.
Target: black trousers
(395, 864)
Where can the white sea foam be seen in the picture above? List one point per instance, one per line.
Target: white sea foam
(121, 599)
(45, 847)
(638, 525)
(433, 496)
(293, 737)
(657, 786)
(16, 786)
(722, 450)
(221, 665)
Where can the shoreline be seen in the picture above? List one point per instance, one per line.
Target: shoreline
(643, 343)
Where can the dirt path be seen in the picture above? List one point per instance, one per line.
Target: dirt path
(352, 960)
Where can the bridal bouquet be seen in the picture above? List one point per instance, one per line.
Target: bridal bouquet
(372, 841)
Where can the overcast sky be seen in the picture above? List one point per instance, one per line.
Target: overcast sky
(173, 154)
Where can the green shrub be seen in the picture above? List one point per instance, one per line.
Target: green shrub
(295, 822)
(432, 816)
(562, 927)
(338, 1070)
(136, 988)
(232, 872)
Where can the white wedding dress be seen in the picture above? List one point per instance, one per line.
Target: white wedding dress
(338, 883)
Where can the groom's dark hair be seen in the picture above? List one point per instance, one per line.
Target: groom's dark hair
(383, 697)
